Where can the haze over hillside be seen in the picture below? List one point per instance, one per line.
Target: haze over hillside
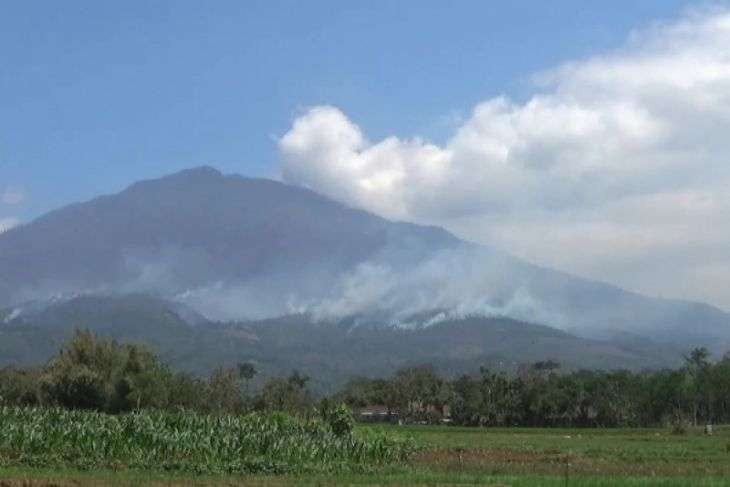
(330, 353)
(235, 248)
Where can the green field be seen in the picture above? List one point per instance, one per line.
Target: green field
(190, 443)
(464, 456)
(621, 456)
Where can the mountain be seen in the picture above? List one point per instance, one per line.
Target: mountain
(329, 353)
(31, 335)
(192, 229)
(227, 248)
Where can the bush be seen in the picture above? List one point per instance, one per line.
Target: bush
(98, 374)
(20, 387)
(337, 416)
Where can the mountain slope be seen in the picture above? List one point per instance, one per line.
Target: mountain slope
(237, 248)
(330, 354)
(31, 335)
(190, 229)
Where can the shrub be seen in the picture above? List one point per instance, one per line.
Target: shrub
(337, 416)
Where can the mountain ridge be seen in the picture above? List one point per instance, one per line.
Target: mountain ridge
(232, 248)
(330, 353)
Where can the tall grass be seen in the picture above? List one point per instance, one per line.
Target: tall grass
(188, 442)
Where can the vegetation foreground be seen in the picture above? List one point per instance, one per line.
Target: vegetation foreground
(189, 449)
(268, 443)
(103, 413)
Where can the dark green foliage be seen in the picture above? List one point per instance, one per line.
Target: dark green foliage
(539, 396)
(92, 373)
(337, 415)
(420, 394)
(286, 394)
(20, 386)
(222, 392)
(97, 374)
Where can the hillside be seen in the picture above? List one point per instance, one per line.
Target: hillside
(329, 353)
(236, 249)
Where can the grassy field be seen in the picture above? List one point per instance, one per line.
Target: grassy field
(470, 456)
(587, 456)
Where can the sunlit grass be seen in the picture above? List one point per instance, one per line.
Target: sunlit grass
(272, 443)
(469, 456)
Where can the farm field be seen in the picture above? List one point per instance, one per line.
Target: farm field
(471, 456)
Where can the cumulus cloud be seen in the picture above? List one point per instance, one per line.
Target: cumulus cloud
(616, 168)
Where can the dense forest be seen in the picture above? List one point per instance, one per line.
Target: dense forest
(94, 373)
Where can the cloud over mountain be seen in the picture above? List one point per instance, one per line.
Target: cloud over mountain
(616, 160)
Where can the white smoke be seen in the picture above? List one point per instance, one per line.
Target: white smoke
(616, 168)
(450, 284)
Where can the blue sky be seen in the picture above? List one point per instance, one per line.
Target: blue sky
(95, 95)
(586, 136)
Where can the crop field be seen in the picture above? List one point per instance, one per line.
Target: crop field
(43, 448)
(189, 443)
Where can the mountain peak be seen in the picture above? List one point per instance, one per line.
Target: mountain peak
(196, 172)
(201, 176)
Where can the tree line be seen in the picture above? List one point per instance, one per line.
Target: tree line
(540, 395)
(94, 373)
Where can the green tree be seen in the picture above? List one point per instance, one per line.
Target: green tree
(286, 394)
(94, 373)
(696, 366)
(20, 387)
(223, 391)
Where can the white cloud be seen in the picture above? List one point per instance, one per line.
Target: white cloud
(7, 223)
(12, 196)
(617, 168)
